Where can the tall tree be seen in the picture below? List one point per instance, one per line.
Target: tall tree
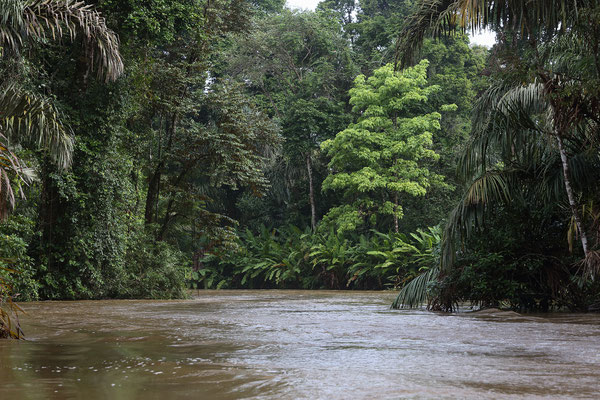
(381, 156)
(146, 136)
(299, 65)
(27, 117)
(456, 67)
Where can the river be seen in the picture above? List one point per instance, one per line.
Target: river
(295, 345)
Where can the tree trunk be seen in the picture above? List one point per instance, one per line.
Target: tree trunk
(169, 216)
(311, 195)
(570, 195)
(396, 227)
(153, 193)
(48, 209)
(160, 236)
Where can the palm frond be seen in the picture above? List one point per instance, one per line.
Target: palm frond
(414, 293)
(26, 117)
(433, 17)
(50, 16)
(11, 23)
(493, 187)
(511, 106)
(10, 174)
(51, 19)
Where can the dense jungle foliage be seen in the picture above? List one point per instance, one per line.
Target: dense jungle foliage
(149, 147)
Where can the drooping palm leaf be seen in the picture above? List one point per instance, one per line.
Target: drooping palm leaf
(414, 293)
(11, 24)
(10, 174)
(434, 17)
(490, 188)
(22, 20)
(26, 117)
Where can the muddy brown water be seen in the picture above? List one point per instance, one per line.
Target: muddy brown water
(295, 345)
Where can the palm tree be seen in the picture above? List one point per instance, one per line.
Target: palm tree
(10, 166)
(555, 98)
(532, 18)
(551, 90)
(511, 156)
(26, 116)
(23, 22)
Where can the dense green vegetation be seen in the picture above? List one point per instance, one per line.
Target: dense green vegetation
(146, 147)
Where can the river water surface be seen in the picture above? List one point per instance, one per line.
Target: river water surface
(295, 345)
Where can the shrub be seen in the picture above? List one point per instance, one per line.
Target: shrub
(152, 270)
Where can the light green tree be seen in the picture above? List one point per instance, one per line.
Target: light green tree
(382, 156)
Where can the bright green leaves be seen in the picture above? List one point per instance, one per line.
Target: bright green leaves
(382, 155)
(387, 92)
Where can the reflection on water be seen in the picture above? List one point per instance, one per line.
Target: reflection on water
(295, 344)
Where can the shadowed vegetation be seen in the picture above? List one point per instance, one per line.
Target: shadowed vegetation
(150, 147)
